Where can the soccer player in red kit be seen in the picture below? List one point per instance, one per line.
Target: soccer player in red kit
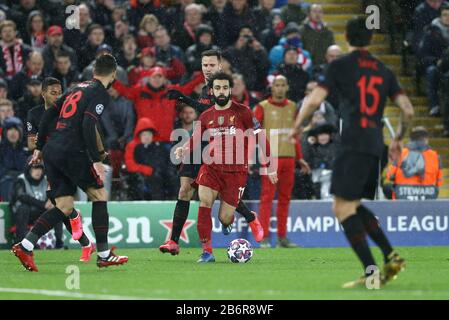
(231, 129)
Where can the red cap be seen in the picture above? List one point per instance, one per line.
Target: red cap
(147, 51)
(54, 30)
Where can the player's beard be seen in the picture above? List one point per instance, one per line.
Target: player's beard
(222, 100)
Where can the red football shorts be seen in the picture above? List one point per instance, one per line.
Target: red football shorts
(230, 185)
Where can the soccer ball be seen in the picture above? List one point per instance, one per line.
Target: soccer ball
(47, 241)
(240, 251)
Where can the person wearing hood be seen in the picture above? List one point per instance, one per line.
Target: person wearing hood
(291, 38)
(12, 155)
(149, 163)
(29, 200)
(204, 41)
(320, 152)
(430, 55)
(151, 101)
(316, 36)
(418, 165)
(293, 71)
(271, 35)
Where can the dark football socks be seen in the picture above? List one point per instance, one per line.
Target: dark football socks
(44, 223)
(355, 233)
(245, 212)
(375, 232)
(100, 223)
(84, 240)
(179, 219)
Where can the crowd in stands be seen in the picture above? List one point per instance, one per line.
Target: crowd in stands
(158, 47)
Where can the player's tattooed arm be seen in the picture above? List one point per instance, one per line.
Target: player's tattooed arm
(403, 102)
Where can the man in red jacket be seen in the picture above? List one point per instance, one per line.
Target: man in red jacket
(151, 101)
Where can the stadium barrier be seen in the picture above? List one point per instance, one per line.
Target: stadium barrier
(311, 224)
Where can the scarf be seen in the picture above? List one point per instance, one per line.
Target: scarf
(189, 31)
(317, 26)
(13, 62)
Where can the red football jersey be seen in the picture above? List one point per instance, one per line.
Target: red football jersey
(227, 132)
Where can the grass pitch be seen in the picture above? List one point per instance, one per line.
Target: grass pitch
(271, 274)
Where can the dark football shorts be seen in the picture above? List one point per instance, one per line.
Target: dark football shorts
(189, 170)
(355, 176)
(66, 172)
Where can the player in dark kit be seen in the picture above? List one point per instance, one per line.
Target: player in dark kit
(73, 157)
(51, 91)
(363, 84)
(211, 64)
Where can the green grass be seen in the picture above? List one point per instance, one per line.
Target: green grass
(271, 274)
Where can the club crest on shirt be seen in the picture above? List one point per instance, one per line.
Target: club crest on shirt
(220, 120)
(231, 120)
(99, 109)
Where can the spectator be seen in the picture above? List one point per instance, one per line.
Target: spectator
(14, 54)
(6, 111)
(76, 31)
(239, 92)
(419, 165)
(319, 152)
(435, 41)
(121, 29)
(34, 68)
(127, 56)
(294, 11)
(55, 45)
(277, 115)
(57, 11)
(35, 35)
(20, 12)
(292, 70)
(236, 16)
(88, 71)
(332, 53)
(214, 16)
(263, 17)
(29, 200)
(150, 164)
(147, 27)
(291, 37)
(148, 60)
(325, 113)
(166, 52)
(12, 155)
(249, 57)
(63, 70)
(390, 14)
(139, 8)
(174, 15)
(318, 71)
(3, 89)
(31, 97)
(102, 11)
(184, 35)
(315, 35)
(151, 101)
(121, 114)
(424, 14)
(272, 34)
(443, 70)
(204, 41)
(87, 54)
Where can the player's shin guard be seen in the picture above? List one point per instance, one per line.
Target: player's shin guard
(245, 212)
(100, 223)
(84, 240)
(45, 223)
(355, 233)
(204, 228)
(374, 230)
(179, 219)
